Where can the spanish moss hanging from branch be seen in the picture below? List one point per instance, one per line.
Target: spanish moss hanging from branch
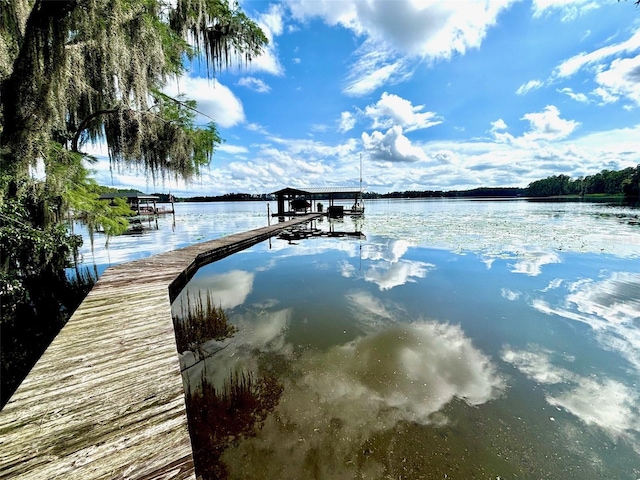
(65, 65)
(74, 72)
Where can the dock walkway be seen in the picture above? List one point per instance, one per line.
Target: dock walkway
(106, 399)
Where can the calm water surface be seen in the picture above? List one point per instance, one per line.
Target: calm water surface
(192, 223)
(454, 339)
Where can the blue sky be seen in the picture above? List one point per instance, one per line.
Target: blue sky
(434, 95)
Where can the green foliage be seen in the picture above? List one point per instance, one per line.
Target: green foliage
(631, 185)
(36, 249)
(79, 71)
(606, 182)
(162, 139)
(37, 296)
(28, 251)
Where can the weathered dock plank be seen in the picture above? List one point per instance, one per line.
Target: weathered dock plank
(106, 399)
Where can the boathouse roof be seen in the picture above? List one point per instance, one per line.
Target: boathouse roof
(128, 195)
(318, 190)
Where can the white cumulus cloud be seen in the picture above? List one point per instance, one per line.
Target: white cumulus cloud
(392, 146)
(372, 69)
(255, 84)
(621, 79)
(347, 122)
(578, 97)
(214, 99)
(427, 30)
(527, 87)
(572, 65)
(568, 9)
(498, 125)
(547, 125)
(394, 110)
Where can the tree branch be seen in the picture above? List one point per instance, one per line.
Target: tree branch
(185, 105)
(84, 124)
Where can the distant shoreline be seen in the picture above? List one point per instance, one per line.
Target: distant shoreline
(455, 194)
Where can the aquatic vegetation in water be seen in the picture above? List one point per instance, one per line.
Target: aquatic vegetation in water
(200, 322)
(219, 418)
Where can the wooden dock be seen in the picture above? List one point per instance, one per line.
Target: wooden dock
(106, 399)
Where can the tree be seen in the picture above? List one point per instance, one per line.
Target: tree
(606, 182)
(550, 186)
(631, 185)
(81, 70)
(78, 71)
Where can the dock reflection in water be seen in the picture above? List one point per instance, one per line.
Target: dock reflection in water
(377, 358)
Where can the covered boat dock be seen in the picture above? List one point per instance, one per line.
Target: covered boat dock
(141, 203)
(297, 201)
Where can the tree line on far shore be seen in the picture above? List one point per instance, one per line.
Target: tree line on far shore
(608, 182)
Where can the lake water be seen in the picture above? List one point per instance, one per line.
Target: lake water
(192, 223)
(452, 339)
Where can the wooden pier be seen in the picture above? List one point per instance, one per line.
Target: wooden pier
(106, 399)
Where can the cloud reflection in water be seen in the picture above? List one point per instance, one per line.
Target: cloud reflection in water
(602, 402)
(227, 290)
(611, 307)
(415, 369)
(370, 312)
(387, 267)
(264, 332)
(396, 274)
(335, 400)
(532, 262)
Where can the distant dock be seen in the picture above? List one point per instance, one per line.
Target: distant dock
(106, 400)
(302, 201)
